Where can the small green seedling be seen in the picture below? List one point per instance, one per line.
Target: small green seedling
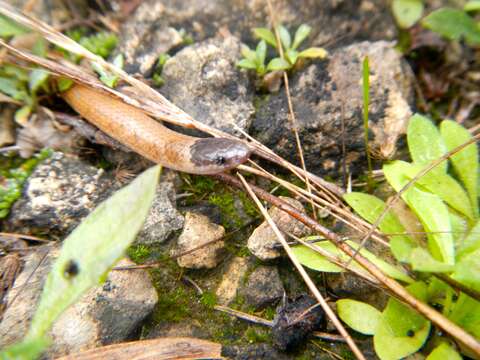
(255, 60)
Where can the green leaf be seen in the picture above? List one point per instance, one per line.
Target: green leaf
(473, 5)
(370, 208)
(360, 316)
(267, 35)
(471, 242)
(261, 52)
(291, 55)
(315, 261)
(300, 35)
(314, 52)
(401, 331)
(247, 64)
(22, 114)
(118, 61)
(9, 27)
(40, 47)
(428, 207)
(278, 64)
(63, 84)
(108, 79)
(465, 162)
(93, 248)
(38, 78)
(467, 270)
(25, 350)
(465, 312)
(407, 12)
(285, 37)
(13, 88)
(453, 24)
(444, 352)
(421, 260)
(248, 53)
(425, 143)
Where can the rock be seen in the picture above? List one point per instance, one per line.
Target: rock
(254, 351)
(231, 280)
(262, 243)
(105, 314)
(330, 90)
(204, 81)
(264, 287)
(163, 218)
(182, 329)
(200, 230)
(59, 193)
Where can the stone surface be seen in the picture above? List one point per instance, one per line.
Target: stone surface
(200, 230)
(263, 287)
(59, 193)
(254, 351)
(329, 91)
(204, 81)
(163, 218)
(231, 280)
(182, 329)
(106, 314)
(262, 243)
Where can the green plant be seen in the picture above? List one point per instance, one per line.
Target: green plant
(445, 202)
(84, 261)
(255, 60)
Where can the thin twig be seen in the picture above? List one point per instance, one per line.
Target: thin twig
(303, 273)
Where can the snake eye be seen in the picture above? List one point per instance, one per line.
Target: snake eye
(221, 160)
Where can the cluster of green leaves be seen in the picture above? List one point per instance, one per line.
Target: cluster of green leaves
(451, 23)
(87, 255)
(255, 59)
(445, 202)
(13, 180)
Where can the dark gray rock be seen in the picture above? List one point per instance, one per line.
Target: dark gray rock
(105, 314)
(59, 193)
(205, 82)
(330, 90)
(255, 351)
(163, 218)
(263, 287)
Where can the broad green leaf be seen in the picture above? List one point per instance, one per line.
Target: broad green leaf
(421, 260)
(285, 37)
(465, 312)
(407, 12)
(460, 228)
(370, 208)
(428, 207)
(473, 5)
(247, 64)
(38, 78)
(314, 260)
(13, 88)
(9, 27)
(444, 352)
(467, 270)
(64, 84)
(93, 248)
(360, 316)
(278, 64)
(471, 242)
(425, 143)
(261, 52)
(248, 53)
(465, 162)
(314, 52)
(401, 331)
(453, 24)
(25, 350)
(267, 35)
(291, 55)
(300, 35)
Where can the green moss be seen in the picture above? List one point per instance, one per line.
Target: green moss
(13, 177)
(139, 253)
(255, 336)
(269, 313)
(209, 299)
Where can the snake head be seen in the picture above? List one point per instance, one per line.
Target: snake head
(216, 155)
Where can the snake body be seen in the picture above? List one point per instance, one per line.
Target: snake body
(151, 139)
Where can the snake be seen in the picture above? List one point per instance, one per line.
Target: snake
(154, 141)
